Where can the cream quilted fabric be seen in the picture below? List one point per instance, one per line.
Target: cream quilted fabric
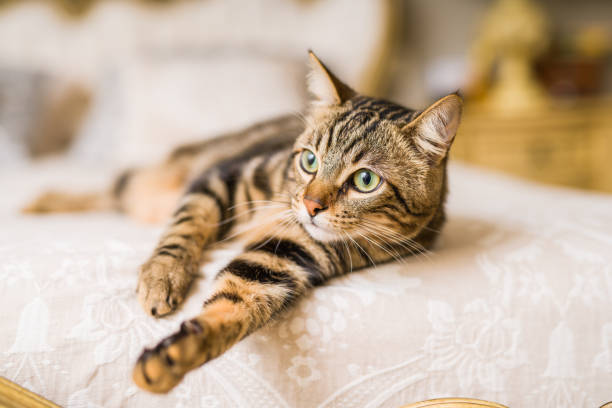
(514, 306)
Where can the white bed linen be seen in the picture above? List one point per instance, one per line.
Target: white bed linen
(514, 306)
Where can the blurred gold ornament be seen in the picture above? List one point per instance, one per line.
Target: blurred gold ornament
(593, 41)
(514, 33)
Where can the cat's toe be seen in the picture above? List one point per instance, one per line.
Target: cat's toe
(153, 372)
(157, 298)
(160, 369)
(162, 287)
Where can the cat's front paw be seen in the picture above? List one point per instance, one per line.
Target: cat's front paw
(160, 369)
(162, 286)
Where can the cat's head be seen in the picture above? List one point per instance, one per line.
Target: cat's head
(365, 167)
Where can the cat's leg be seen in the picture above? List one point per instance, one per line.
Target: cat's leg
(211, 208)
(148, 194)
(251, 291)
(165, 278)
(151, 194)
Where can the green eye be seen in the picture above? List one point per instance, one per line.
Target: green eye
(365, 180)
(309, 162)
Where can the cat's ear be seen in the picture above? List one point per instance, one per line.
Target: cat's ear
(434, 130)
(323, 84)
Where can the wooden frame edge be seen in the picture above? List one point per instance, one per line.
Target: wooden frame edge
(15, 396)
(454, 403)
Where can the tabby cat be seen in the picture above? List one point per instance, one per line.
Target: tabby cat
(358, 182)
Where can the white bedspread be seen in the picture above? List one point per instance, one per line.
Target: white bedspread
(514, 306)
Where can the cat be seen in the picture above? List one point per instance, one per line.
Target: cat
(358, 181)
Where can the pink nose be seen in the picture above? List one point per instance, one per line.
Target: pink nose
(313, 206)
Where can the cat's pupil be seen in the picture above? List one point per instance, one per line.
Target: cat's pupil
(310, 158)
(366, 178)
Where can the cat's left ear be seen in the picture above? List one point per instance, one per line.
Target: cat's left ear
(325, 86)
(434, 130)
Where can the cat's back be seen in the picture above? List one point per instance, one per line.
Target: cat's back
(261, 138)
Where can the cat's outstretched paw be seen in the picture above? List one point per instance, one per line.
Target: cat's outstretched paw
(162, 286)
(160, 369)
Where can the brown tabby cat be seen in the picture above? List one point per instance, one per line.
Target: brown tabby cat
(359, 182)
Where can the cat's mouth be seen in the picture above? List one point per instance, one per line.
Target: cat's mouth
(319, 232)
(317, 227)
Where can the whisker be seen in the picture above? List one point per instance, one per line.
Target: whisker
(252, 210)
(255, 225)
(362, 250)
(393, 233)
(413, 247)
(348, 251)
(284, 197)
(395, 256)
(275, 234)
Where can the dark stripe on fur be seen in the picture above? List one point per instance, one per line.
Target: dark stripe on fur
(261, 178)
(171, 246)
(399, 198)
(287, 168)
(294, 252)
(341, 121)
(406, 115)
(370, 128)
(166, 253)
(390, 215)
(122, 182)
(328, 254)
(388, 206)
(360, 118)
(364, 255)
(230, 173)
(247, 196)
(341, 254)
(258, 273)
(318, 142)
(359, 101)
(359, 156)
(345, 119)
(201, 187)
(182, 208)
(330, 136)
(232, 297)
(380, 104)
(183, 219)
(191, 149)
(322, 247)
(386, 112)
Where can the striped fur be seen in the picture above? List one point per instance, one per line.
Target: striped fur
(250, 186)
(259, 193)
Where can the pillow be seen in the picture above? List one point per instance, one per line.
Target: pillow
(40, 114)
(158, 74)
(153, 104)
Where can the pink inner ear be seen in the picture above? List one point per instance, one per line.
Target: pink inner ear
(448, 112)
(452, 124)
(436, 127)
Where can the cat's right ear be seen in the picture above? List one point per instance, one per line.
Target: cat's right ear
(435, 128)
(327, 89)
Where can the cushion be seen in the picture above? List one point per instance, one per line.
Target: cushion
(513, 306)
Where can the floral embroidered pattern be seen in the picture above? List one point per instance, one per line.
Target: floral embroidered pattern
(303, 370)
(478, 346)
(513, 306)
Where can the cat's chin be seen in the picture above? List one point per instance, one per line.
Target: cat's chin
(319, 233)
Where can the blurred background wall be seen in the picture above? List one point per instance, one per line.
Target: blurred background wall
(438, 36)
(121, 82)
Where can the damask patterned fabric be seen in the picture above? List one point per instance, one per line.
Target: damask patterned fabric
(513, 306)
